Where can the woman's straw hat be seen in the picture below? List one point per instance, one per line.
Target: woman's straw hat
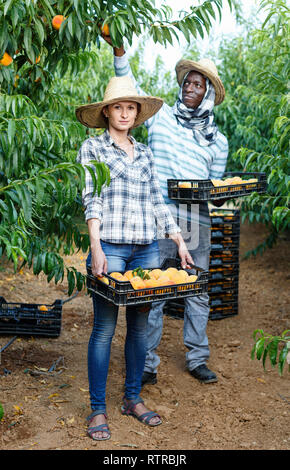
(205, 67)
(118, 89)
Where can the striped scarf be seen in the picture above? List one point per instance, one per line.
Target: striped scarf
(200, 119)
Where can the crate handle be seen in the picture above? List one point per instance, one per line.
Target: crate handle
(8, 344)
(70, 298)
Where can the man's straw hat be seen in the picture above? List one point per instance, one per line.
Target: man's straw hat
(118, 89)
(207, 68)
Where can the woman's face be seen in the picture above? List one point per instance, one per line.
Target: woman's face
(121, 115)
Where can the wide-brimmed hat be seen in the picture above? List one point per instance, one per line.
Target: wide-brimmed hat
(118, 89)
(207, 68)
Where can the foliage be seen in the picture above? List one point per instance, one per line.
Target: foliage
(52, 72)
(255, 115)
(268, 346)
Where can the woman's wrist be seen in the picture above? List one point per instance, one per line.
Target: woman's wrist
(177, 238)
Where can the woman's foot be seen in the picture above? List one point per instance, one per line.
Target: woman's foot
(98, 428)
(139, 411)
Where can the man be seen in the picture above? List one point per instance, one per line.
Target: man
(186, 144)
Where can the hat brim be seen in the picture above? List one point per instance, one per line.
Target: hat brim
(90, 115)
(184, 66)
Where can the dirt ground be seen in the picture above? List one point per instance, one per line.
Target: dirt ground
(247, 409)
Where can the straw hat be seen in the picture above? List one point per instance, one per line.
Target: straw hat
(205, 67)
(118, 89)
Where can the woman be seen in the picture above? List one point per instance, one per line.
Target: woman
(122, 225)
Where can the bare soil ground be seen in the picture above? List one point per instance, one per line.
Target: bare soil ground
(248, 409)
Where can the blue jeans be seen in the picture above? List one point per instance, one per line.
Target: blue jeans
(120, 257)
(196, 311)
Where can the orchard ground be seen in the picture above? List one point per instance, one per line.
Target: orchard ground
(248, 409)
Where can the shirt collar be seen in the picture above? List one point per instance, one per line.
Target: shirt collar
(108, 141)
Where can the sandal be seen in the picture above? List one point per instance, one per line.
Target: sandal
(101, 428)
(129, 409)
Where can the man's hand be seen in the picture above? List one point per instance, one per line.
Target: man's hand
(118, 51)
(107, 38)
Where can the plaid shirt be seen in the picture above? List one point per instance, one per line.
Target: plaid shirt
(131, 209)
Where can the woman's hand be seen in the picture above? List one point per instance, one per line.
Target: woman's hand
(99, 262)
(185, 257)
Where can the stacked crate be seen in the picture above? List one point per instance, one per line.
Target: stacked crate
(223, 285)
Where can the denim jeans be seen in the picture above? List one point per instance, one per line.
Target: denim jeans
(120, 257)
(196, 311)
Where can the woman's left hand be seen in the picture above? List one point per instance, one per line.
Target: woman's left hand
(183, 252)
(185, 257)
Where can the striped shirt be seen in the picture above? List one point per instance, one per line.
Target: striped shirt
(177, 155)
(131, 209)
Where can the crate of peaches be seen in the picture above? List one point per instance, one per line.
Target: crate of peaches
(148, 285)
(234, 184)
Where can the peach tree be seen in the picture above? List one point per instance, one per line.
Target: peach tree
(40, 181)
(255, 115)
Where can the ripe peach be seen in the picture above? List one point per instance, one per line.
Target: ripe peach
(6, 59)
(57, 21)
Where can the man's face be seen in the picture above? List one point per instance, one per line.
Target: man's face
(193, 89)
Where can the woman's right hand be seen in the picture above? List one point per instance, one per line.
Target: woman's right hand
(99, 262)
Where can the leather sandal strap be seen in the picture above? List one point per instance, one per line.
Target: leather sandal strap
(130, 405)
(101, 427)
(95, 413)
(148, 416)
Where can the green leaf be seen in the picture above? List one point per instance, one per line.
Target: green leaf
(260, 347)
(282, 359)
(8, 4)
(71, 281)
(11, 131)
(39, 29)
(25, 200)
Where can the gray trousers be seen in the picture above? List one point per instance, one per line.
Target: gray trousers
(196, 311)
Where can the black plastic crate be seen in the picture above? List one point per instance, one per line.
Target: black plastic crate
(225, 231)
(226, 243)
(225, 270)
(219, 298)
(221, 305)
(28, 319)
(224, 216)
(225, 223)
(225, 255)
(215, 300)
(216, 312)
(205, 190)
(122, 292)
(215, 262)
(228, 284)
(223, 311)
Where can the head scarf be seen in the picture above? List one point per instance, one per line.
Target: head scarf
(200, 119)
